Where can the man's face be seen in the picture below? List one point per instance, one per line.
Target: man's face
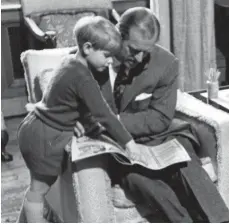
(135, 48)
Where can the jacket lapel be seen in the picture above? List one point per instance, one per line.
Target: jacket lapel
(133, 89)
(138, 83)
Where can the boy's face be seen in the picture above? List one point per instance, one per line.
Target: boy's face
(99, 59)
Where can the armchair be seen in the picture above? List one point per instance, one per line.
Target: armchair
(83, 193)
(52, 22)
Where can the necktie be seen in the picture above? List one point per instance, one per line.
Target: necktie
(119, 86)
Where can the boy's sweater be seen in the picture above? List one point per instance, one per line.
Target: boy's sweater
(73, 93)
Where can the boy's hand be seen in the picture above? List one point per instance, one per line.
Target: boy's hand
(134, 152)
(142, 155)
(79, 129)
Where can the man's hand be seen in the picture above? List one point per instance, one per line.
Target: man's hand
(79, 130)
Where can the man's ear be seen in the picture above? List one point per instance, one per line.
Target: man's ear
(87, 48)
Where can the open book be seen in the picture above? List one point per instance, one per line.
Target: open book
(151, 157)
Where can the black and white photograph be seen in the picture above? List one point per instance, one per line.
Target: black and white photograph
(114, 111)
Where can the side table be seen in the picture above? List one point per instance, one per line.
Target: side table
(201, 95)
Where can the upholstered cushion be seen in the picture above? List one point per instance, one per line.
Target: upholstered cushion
(38, 65)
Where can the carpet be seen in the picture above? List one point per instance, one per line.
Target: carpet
(14, 177)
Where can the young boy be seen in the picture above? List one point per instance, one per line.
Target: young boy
(71, 94)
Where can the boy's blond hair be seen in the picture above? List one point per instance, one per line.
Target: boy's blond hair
(100, 32)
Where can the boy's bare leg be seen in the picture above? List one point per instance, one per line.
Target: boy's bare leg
(33, 205)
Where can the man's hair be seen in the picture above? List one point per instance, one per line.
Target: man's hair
(100, 32)
(141, 18)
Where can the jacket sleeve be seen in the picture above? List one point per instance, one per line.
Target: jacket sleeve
(90, 93)
(157, 117)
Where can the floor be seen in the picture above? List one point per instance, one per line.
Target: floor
(14, 176)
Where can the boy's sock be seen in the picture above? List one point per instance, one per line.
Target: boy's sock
(34, 208)
(34, 211)
(21, 218)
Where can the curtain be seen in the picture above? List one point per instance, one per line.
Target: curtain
(193, 40)
(161, 10)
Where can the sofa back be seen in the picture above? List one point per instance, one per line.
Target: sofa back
(38, 66)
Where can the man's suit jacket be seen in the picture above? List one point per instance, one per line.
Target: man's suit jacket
(148, 112)
(148, 102)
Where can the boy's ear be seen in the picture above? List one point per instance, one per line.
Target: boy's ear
(87, 47)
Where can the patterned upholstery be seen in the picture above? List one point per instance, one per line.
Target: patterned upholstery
(61, 15)
(36, 64)
(63, 25)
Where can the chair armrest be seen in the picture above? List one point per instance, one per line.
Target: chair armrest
(83, 192)
(208, 121)
(39, 34)
(201, 111)
(219, 121)
(48, 37)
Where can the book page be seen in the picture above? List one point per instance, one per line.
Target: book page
(161, 156)
(85, 147)
(150, 157)
(168, 153)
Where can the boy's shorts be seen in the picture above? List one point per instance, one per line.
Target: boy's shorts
(42, 146)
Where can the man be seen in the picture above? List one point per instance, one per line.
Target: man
(145, 93)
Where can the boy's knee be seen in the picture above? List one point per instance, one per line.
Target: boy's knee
(40, 185)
